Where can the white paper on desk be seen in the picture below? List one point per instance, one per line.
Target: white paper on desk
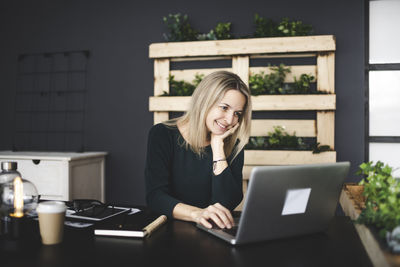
(296, 201)
(77, 224)
(133, 211)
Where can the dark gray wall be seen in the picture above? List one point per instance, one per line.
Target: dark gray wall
(118, 34)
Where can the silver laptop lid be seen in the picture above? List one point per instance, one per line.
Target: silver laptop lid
(284, 201)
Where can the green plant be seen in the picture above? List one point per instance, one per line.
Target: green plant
(182, 88)
(207, 36)
(279, 138)
(272, 83)
(179, 28)
(221, 32)
(382, 193)
(303, 84)
(257, 84)
(256, 142)
(264, 27)
(293, 28)
(317, 148)
(197, 79)
(269, 28)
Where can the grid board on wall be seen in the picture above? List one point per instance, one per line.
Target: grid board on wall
(50, 101)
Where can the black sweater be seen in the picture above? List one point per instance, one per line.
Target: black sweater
(174, 174)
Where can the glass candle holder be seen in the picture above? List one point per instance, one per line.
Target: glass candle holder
(18, 197)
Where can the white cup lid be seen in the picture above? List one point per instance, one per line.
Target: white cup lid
(51, 207)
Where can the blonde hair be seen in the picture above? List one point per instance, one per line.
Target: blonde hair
(209, 93)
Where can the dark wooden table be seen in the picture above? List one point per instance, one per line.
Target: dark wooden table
(181, 244)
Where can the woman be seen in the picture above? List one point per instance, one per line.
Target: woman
(194, 163)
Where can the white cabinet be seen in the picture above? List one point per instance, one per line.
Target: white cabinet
(62, 175)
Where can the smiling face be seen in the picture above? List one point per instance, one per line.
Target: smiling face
(226, 113)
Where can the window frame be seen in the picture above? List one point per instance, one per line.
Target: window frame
(373, 67)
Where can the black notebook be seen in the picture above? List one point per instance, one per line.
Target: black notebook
(139, 224)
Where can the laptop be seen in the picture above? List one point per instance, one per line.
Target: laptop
(286, 201)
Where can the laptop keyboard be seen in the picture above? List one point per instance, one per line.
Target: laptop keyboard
(231, 231)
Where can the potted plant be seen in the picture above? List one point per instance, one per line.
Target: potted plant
(375, 208)
(382, 197)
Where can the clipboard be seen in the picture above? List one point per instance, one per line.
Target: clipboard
(99, 213)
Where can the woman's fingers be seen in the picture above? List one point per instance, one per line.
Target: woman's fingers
(234, 128)
(217, 213)
(218, 221)
(230, 131)
(217, 139)
(220, 215)
(226, 211)
(205, 222)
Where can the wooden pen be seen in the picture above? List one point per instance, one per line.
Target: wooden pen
(154, 225)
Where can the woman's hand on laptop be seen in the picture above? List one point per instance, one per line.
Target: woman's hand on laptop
(217, 213)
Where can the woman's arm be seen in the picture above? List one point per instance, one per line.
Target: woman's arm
(227, 180)
(227, 187)
(217, 145)
(157, 171)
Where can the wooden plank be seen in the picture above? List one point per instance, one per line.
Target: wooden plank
(189, 74)
(303, 128)
(240, 66)
(184, 59)
(247, 171)
(284, 55)
(240, 206)
(286, 157)
(372, 247)
(326, 72)
(326, 128)
(160, 117)
(255, 56)
(260, 103)
(296, 71)
(348, 206)
(374, 251)
(169, 103)
(161, 74)
(243, 46)
(293, 102)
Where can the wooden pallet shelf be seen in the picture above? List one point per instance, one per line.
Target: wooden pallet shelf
(240, 52)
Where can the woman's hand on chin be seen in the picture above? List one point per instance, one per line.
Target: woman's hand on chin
(218, 139)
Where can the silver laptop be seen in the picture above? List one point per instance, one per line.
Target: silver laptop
(285, 201)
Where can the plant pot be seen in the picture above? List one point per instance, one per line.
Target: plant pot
(355, 192)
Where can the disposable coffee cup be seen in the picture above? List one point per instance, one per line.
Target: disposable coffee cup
(51, 221)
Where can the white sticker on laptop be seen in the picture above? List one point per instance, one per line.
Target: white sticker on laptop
(296, 201)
